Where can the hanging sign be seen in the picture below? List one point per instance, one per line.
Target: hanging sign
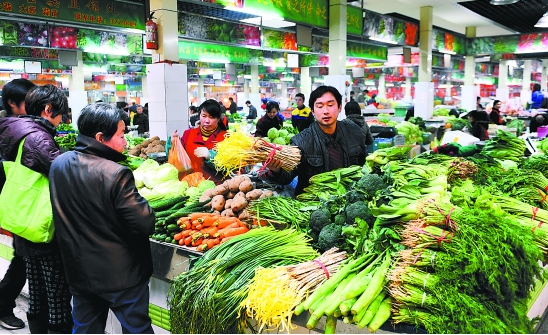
(212, 53)
(112, 13)
(367, 51)
(354, 20)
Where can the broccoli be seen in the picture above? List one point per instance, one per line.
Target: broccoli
(340, 219)
(370, 184)
(354, 195)
(333, 203)
(313, 234)
(319, 219)
(358, 210)
(355, 236)
(329, 237)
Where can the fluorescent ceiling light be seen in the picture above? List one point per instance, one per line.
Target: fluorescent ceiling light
(543, 22)
(381, 40)
(447, 52)
(503, 2)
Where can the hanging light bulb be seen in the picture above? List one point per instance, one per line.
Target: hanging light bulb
(503, 2)
(543, 22)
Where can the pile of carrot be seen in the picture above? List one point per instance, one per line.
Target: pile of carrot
(206, 230)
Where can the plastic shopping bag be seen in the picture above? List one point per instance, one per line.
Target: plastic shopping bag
(178, 157)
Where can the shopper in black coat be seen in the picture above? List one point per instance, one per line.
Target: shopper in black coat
(270, 120)
(141, 120)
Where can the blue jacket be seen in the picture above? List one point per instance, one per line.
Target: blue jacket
(536, 99)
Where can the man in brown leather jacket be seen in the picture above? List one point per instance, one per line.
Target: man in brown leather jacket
(102, 226)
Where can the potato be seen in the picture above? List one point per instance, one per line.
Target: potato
(268, 193)
(155, 138)
(143, 156)
(220, 189)
(228, 203)
(210, 192)
(135, 152)
(240, 194)
(162, 142)
(156, 142)
(138, 146)
(230, 195)
(145, 143)
(244, 215)
(204, 197)
(216, 213)
(246, 186)
(234, 184)
(254, 195)
(228, 213)
(218, 203)
(238, 204)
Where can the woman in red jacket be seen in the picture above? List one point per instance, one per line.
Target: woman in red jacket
(199, 142)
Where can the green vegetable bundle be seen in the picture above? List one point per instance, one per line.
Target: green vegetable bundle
(65, 127)
(67, 142)
(412, 133)
(383, 156)
(536, 162)
(283, 210)
(505, 146)
(335, 182)
(207, 298)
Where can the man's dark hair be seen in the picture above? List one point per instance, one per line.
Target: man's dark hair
(317, 93)
(193, 109)
(15, 90)
(272, 104)
(39, 97)
(248, 102)
(100, 118)
(300, 95)
(230, 99)
(536, 87)
(365, 91)
(352, 92)
(351, 108)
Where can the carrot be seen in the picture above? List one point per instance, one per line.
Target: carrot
(197, 236)
(197, 242)
(209, 243)
(188, 240)
(262, 223)
(225, 221)
(199, 227)
(178, 236)
(226, 239)
(217, 241)
(207, 221)
(202, 247)
(196, 216)
(233, 232)
(182, 241)
(188, 232)
(209, 231)
(230, 226)
(186, 225)
(182, 221)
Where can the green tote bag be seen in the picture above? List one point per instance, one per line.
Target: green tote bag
(26, 206)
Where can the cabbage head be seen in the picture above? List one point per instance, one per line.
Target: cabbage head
(164, 173)
(139, 173)
(272, 133)
(170, 189)
(145, 192)
(206, 185)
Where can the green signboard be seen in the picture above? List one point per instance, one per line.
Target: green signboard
(313, 12)
(354, 20)
(112, 13)
(212, 53)
(367, 51)
(34, 53)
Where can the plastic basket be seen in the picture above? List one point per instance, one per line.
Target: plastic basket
(400, 111)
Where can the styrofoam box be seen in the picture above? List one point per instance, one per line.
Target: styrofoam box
(457, 136)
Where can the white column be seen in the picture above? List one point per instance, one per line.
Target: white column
(469, 91)
(306, 83)
(544, 76)
(283, 96)
(167, 84)
(144, 89)
(201, 93)
(408, 84)
(424, 88)
(503, 93)
(246, 89)
(78, 97)
(526, 82)
(448, 96)
(255, 79)
(382, 86)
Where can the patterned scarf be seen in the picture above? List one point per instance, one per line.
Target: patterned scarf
(206, 134)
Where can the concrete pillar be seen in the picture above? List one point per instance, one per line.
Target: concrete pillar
(503, 93)
(246, 89)
(382, 86)
(469, 91)
(168, 85)
(424, 88)
(448, 96)
(306, 83)
(526, 82)
(144, 88)
(201, 93)
(408, 84)
(337, 50)
(255, 79)
(544, 76)
(78, 97)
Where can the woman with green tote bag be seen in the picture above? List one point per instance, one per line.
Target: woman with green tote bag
(49, 296)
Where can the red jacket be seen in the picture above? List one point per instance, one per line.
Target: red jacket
(192, 139)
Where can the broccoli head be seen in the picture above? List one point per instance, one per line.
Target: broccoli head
(319, 219)
(370, 184)
(358, 210)
(340, 219)
(354, 195)
(329, 237)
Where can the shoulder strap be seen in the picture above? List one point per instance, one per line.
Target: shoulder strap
(20, 151)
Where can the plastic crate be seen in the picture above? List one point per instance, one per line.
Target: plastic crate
(380, 143)
(400, 111)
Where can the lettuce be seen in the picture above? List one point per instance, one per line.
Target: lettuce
(165, 172)
(139, 173)
(170, 189)
(206, 185)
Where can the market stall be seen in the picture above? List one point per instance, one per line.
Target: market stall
(410, 222)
